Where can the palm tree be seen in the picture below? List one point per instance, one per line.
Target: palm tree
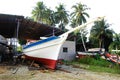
(38, 11)
(73, 23)
(101, 32)
(79, 13)
(83, 38)
(52, 18)
(115, 45)
(78, 17)
(49, 17)
(61, 16)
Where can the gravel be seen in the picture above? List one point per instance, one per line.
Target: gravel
(64, 73)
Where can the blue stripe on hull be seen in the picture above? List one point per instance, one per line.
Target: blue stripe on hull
(41, 41)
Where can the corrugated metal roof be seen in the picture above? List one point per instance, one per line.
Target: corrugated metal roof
(27, 30)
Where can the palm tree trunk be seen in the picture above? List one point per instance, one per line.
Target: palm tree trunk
(100, 44)
(83, 43)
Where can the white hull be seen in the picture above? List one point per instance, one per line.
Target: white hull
(86, 53)
(47, 50)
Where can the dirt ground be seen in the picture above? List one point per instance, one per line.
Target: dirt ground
(64, 73)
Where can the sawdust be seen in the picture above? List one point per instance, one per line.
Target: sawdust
(2, 69)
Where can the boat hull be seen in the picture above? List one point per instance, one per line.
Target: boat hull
(48, 63)
(85, 54)
(46, 53)
(113, 58)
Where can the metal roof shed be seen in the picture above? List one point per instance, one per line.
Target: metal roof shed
(27, 29)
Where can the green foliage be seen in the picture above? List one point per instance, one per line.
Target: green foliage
(115, 45)
(42, 14)
(79, 14)
(22, 42)
(38, 11)
(101, 34)
(62, 16)
(92, 61)
(78, 17)
(115, 69)
(95, 64)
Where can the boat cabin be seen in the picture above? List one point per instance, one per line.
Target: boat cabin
(68, 51)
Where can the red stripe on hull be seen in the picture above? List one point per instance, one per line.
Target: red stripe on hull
(49, 63)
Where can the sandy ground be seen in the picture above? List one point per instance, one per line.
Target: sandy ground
(65, 73)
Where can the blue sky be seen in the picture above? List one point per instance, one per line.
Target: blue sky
(108, 8)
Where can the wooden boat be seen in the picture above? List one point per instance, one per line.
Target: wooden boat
(47, 51)
(85, 54)
(91, 52)
(113, 58)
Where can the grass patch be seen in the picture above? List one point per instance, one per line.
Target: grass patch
(104, 69)
(95, 64)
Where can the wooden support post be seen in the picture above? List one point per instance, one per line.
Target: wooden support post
(32, 63)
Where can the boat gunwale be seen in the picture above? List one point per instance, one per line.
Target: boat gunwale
(40, 42)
